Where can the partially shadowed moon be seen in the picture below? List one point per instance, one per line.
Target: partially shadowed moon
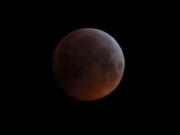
(88, 64)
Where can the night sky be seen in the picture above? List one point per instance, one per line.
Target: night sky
(146, 31)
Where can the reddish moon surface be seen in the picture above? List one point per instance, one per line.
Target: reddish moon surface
(88, 64)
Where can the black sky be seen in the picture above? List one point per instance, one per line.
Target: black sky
(146, 31)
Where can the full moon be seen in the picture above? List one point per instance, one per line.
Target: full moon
(88, 64)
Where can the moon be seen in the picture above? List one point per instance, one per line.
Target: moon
(88, 64)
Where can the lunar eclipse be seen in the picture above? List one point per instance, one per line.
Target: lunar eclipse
(88, 64)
